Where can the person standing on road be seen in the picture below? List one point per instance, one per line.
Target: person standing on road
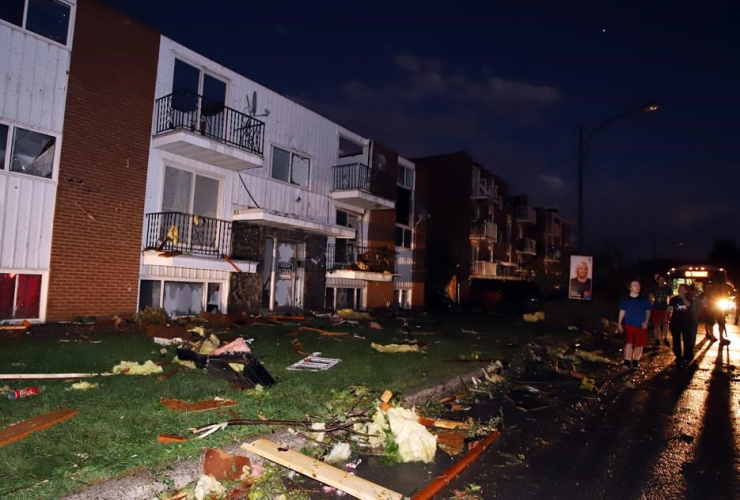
(635, 312)
(660, 296)
(681, 321)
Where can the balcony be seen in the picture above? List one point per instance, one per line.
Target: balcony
(526, 246)
(187, 240)
(355, 262)
(363, 187)
(553, 229)
(484, 189)
(484, 230)
(552, 255)
(192, 126)
(526, 215)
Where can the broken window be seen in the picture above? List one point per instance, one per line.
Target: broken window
(3, 145)
(150, 292)
(33, 153)
(290, 167)
(182, 298)
(214, 298)
(349, 148)
(48, 18)
(20, 296)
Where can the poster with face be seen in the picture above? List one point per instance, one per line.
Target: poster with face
(581, 274)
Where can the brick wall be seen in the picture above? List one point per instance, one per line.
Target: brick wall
(96, 241)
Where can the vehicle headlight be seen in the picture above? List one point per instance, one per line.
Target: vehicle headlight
(725, 304)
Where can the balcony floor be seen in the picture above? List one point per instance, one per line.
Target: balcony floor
(197, 147)
(152, 258)
(362, 199)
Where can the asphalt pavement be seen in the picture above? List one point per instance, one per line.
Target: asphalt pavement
(674, 436)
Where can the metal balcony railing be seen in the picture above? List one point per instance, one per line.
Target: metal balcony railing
(360, 176)
(188, 234)
(350, 257)
(484, 229)
(186, 110)
(526, 245)
(485, 188)
(526, 214)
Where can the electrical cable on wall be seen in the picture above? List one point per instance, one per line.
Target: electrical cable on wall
(247, 189)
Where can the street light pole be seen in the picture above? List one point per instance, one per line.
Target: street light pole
(583, 143)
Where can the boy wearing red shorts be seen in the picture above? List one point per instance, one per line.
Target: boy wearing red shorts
(634, 312)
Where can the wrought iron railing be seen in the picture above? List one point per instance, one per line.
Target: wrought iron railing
(350, 257)
(188, 234)
(484, 229)
(526, 245)
(360, 176)
(186, 110)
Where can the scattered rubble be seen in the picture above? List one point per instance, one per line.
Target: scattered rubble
(395, 348)
(134, 368)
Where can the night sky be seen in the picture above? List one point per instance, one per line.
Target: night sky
(510, 82)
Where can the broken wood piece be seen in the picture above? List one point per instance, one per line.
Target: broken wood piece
(385, 406)
(170, 374)
(310, 467)
(227, 259)
(326, 333)
(21, 430)
(314, 363)
(447, 476)
(13, 327)
(441, 423)
(171, 438)
(224, 466)
(45, 376)
(208, 404)
(386, 397)
(451, 442)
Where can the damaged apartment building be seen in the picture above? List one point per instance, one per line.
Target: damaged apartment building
(136, 172)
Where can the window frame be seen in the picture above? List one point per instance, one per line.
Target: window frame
(202, 72)
(408, 230)
(5, 169)
(24, 21)
(292, 153)
(224, 285)
(42, 292)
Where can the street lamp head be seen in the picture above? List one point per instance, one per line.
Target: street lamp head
(650, 106)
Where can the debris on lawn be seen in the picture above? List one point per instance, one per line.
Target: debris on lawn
(238, 345)
(375, 325)
(534, 317)
(593, 357)
(134, 368)
(208, 488)
(205, 405)
(314, 363)
(349, 314)
(325, 473)
(24, 393)
(82, 386)
(23, 429)
(326, 333)
(395, 348)
(171, 438)
(152, 316)
(226, 467)
(588, 384)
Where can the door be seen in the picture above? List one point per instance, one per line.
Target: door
(285, 275)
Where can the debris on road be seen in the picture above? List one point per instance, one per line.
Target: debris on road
(205, 405)
(338, 454)
(23, 429)
(327, 474)
(314, 363)
(588, 384)
(415, 442)
(534, 317)
(208, 488)
(451, 442)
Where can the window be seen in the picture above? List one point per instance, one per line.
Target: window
(405, 177)
(48, 18)
(403, 206)
(290, 167)
(346, 219)
(179, 297)
(349, 148)
(26, 152)
(403, 237)
(20, 296)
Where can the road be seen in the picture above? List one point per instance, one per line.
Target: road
(675, 435)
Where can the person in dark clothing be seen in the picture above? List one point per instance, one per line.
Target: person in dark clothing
(660, 296)
(681, 321)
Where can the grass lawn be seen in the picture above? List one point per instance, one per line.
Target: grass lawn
(118, 424)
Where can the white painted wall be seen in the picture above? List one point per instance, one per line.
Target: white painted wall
(33, 94)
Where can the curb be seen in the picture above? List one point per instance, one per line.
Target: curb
(147, 485)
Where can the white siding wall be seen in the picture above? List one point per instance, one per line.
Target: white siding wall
(289, 125)
(33, 92)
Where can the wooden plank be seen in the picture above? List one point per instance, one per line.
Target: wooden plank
(21, 430)
(208, 404)
(353, 485)
(45, 376)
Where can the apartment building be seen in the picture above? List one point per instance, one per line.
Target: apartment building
(184, 185)
(35, 52)
(525, 233)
